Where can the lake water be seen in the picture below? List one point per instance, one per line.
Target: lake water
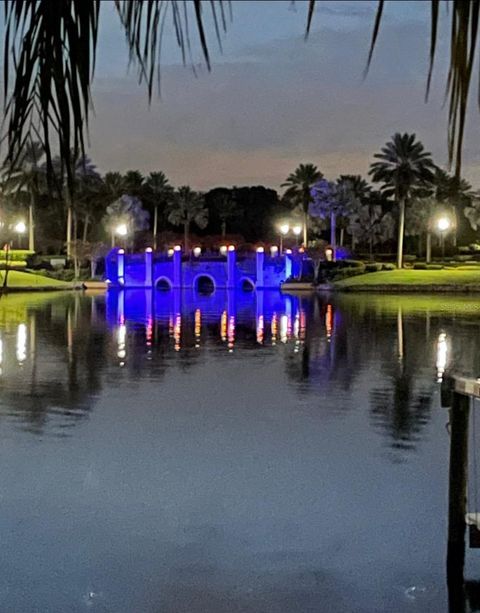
(227, 453)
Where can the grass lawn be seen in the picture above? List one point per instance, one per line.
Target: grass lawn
(414, 279)
(18, 279)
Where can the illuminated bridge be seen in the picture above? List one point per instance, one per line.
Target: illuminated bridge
(208, 272)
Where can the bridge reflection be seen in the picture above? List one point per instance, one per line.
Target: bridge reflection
(189, 315)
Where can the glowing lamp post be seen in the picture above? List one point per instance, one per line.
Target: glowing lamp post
(120, 230)
(297, 230)
(20, 228)
(284, 229)
(443, 225)
(197, 252)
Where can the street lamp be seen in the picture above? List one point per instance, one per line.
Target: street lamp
(443, 225)
(20, 228)
(120, 230)
(297, 230)
(284, 229)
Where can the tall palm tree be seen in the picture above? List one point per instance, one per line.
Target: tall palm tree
(299, 184)
(226, 208)
(84, 171)
(186, 208)
(114, 185)
(161, 190)
(28, 177)
(133, 181)
(403, 167)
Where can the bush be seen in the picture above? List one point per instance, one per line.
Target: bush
(461, 258)
(434, 267)
(373, 267)
(345, 273)
(334, 271)
(350, 264)
(17, 255)
(67, 274)
(419, 266)
(389, 267)
(409, 258)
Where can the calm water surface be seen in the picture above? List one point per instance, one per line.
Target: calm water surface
(224, 453)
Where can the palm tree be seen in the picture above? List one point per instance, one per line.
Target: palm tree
(226, 208)
(419, 221)
(299, 184)
(114, 185)
(84, 171)
(187, 207)
(133, 182)
(403, 167)
(161, 190)
(28, 177)
(49, 83)
(454, 193)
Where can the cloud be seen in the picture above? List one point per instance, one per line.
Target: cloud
(259, 114)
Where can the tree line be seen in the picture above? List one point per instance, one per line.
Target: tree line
(404, 196)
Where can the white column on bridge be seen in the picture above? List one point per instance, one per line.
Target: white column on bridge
(148, 267)
(260, 260)
(177, 266)
(121, 266)
(231, 266)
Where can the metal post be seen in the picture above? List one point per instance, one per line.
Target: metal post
(457, 490)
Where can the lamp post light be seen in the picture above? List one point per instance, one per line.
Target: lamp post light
(284, 229)
(443, 225)
(120, 230)
(297, 230)
(20, 228)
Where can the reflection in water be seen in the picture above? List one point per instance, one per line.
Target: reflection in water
(442, 355)
(21, 350)
(196, 386)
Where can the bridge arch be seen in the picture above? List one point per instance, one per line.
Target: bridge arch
(204, 284)
(247, 284)
(163, 284)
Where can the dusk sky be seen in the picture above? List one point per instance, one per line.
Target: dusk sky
(273, 100)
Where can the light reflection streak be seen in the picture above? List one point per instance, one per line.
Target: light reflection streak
(21, 343)
(260, 329)
(329, 322)
(274, 325)
(198, 327)
(177, 331)
(223, 326)
(442, 355)
(283, 328)
(303, 324)
(121, 338)
(231, 333)
(149, 331)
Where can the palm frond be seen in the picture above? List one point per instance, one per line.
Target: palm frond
(47, 86)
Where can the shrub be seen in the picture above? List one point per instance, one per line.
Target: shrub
(16, 255)
(461, 258)
(345, 273)
(373, 267)
(434, 267)
(409, 258)
(419, 266)
(389, 267)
